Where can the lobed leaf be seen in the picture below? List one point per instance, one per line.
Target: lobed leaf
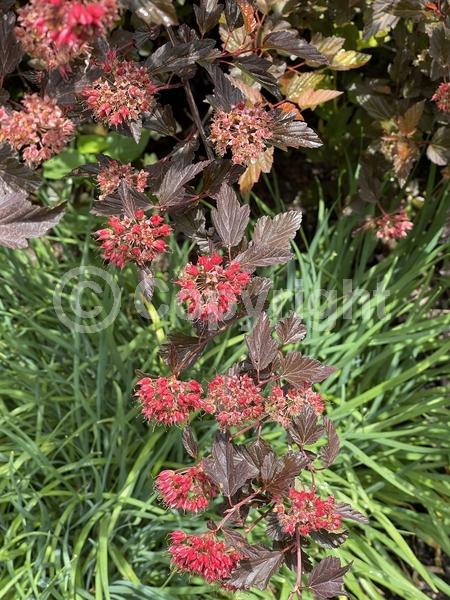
(261, 345)
(290, 329)
(298, 369)
(230, 218)
(326, 580)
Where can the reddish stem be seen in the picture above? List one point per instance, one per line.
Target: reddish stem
(230, 512)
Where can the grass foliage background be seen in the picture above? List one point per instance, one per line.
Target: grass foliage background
(78, 516)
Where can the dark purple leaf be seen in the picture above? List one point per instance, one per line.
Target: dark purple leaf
(289, 43)
(131, 200)
(254, 297)
(172, 192)
(258, 69)
(290, 329)
(348, 512)
(174, 58)
(256, 572)
(189, 442)
(181, 350)
(277, 231)
(261, 345)
(21, 220)
(274, 530)
(219, 172)
(263, 255)
(159, 12)
(230, 218)
(238, 541)
(379, 18)
(290, 133)
(160, 120)
(10, 50)
(227, 467)
(146, 283)
(278, 474)
(327, 578)
(329, 452)
(226, 95)
(207, 14)
(298, 369)
(305, 430)
(233, 15)
(257, 451)
(14, 175)
(5, 5)
(329, 539)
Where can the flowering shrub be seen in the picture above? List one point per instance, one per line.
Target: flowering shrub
(239, 79)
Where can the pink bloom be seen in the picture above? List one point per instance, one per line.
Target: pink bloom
(111, 175)
(308, 512)
(283, 407)
(168, 400)
(442, 97)
(203, 554)
(190, 490)
(58, 31)
(244, 131)
(234, 400)
(137, 240)
(394, 226)
(122, 94)
(209, 289)
(39, 131)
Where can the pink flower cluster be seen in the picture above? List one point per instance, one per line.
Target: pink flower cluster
(307, 512)
(111, 175)
(211, 289)
(190, 490)
(58, 31)
(122, 94)
(39, 131)
(393, 226)
(235, 400)
(284, 406)
(442, 97)
(137, 240)
(168, 400)
(244, 131)
(203, 554)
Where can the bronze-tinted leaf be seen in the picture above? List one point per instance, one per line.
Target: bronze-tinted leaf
(258, 69)
(253, 172)
(14, 175)
(172, 192)
(329, 452)
(228, 468)
(161, 120)
(298, 369)
(181, 350)
(277, 231)
(288, 43)
(173, 58)
(288, 132)
(278, 474)
(256, 572)
(290, 329)
(189, 442)
(10, 50)
(329, 539)
(159, 12)
(305, 429)
(230, 218)
(207, 14)
(226, 95)
(262, 255)
(20, 220)
(217, 173)
(348, 512)
(327, 578)
(261, 345)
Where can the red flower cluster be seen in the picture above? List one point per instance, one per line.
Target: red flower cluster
(111, 175)
(122, 94)
(39, 130)
(190, 490)
(57, 31)
(308, 512)
(203, 555)
(137, 240)
(283, 407)
(234, 400)
(442, 97)
(210, 289)
(168, 400)
(394, 226)
(244, 130)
